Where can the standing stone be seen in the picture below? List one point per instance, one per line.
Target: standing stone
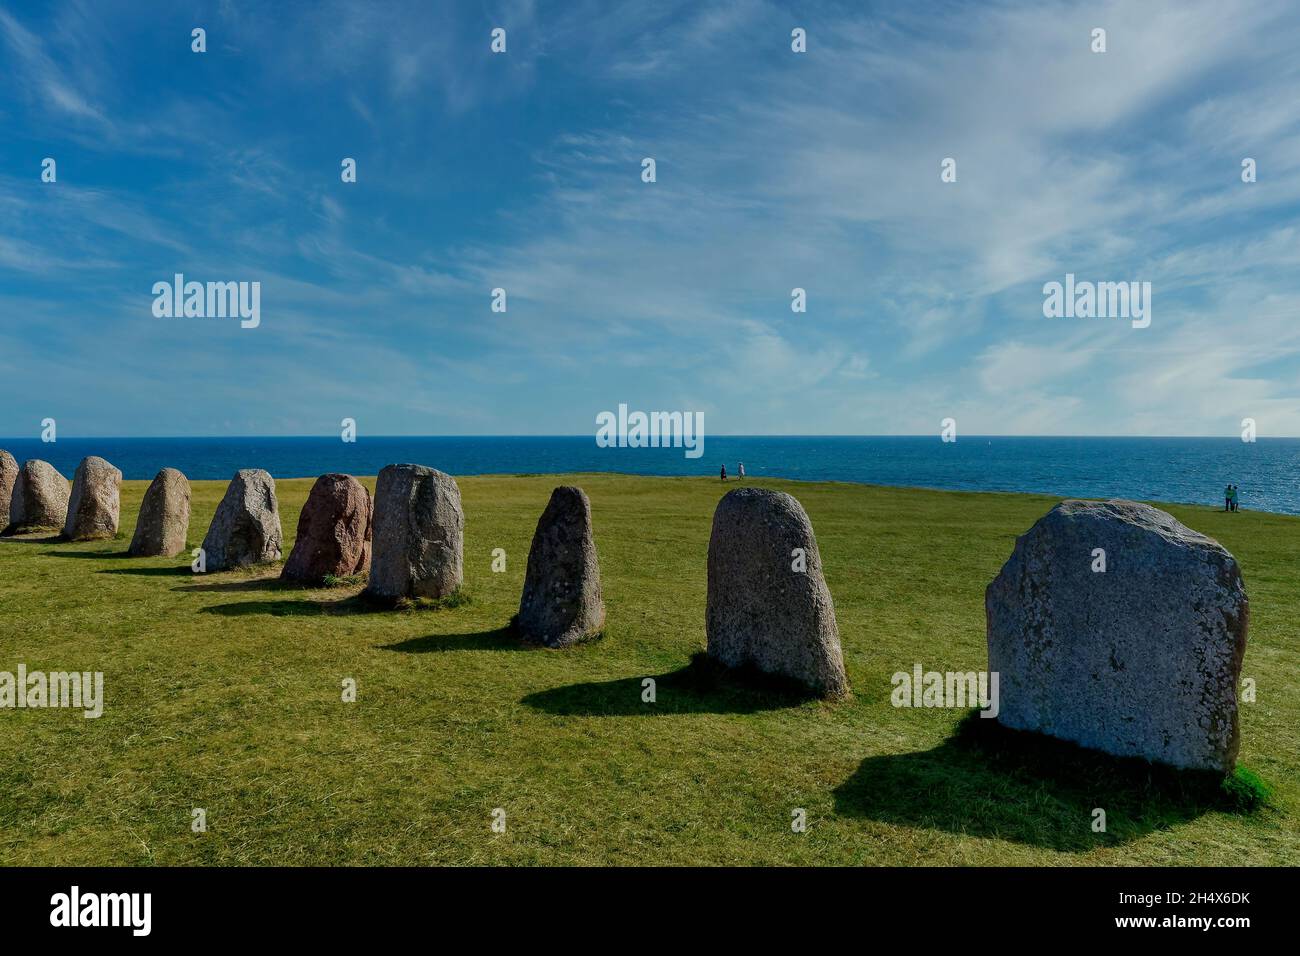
(39, 500)
(1139, 660)
(333, 531)
(768, 604)
(95, 506)
(8, 476)
(164, 516)
(246, 527)
(419, 534)
(561, 603)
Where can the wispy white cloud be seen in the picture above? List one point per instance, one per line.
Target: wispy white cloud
(41, 76)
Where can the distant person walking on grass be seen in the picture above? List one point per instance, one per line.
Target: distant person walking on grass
(741, 471)
(1234, 498)
(724, 472)
(1227, 497)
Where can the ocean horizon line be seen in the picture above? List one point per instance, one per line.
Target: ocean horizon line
(335, 437)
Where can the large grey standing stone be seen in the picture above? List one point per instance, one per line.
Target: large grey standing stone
(1139, 660)
(246, 527)
(39, 500)
(164, 516)
(419, 531)
(762, 611)
(333, 532)
(8, 476)
(561, 603)
(95, 506)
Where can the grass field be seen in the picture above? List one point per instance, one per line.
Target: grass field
(223, 692)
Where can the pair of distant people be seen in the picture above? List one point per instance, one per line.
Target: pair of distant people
(740, 473)
(1230, 498)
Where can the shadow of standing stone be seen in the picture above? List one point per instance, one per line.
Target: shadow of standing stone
(990, 782)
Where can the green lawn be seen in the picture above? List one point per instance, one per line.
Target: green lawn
(223, 692)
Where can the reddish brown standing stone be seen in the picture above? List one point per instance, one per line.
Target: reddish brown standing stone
(333, 531)
(8, 477)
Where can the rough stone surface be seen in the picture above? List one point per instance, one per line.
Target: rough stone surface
(561, 603)
(419, 531)
(761, 611)
(246, 527)
(333, 531)
(164, 516)
(39, 499)
(8, 475)
(1141, 660)
(95, 506)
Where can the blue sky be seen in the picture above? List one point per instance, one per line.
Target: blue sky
(775, 170)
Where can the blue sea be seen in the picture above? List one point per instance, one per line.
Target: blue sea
(1185, 470)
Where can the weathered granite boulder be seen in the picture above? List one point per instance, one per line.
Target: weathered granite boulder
(768, 604)
(419, 531)
(8, 476)
(164, 516)
(1139, 660)
(561, 603)
(246, 527)
(39, 500)
(95, 505)
(333, 531)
